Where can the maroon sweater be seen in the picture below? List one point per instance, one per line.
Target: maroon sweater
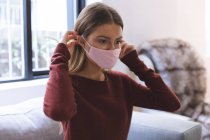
(102, 110)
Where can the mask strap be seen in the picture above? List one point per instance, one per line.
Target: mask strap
(86, 43)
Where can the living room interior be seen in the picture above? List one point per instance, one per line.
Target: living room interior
(151, 24)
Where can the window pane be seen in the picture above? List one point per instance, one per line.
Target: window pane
(92, 1)
(11, 40)
(49, 22)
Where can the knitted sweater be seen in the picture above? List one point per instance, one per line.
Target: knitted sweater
(102, 110)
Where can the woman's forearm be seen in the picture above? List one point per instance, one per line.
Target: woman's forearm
(59, 101)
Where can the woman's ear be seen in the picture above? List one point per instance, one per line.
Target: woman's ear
(82, 42)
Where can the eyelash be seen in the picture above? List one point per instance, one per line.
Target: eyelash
(104, 41)
(119, 42)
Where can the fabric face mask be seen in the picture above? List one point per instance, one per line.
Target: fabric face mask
(105, 59)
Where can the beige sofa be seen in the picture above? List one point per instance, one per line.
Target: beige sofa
(26, 121)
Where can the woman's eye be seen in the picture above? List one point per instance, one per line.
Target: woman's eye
(102, 41)
(118, 42)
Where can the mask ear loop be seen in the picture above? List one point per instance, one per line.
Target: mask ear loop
(83, 42)
(86, 46)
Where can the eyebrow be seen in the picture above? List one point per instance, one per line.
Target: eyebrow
(109, 37)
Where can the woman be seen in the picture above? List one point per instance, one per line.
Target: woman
(92, 101)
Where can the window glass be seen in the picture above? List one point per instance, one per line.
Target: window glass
(49, 22)
(11, 40)
(92, 1)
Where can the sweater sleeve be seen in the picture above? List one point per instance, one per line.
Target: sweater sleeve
(156, 94)
(59, 101)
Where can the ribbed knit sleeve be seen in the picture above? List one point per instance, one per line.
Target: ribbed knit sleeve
(156, 94)
(59, 101)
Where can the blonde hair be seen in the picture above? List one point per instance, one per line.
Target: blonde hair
(92, 16)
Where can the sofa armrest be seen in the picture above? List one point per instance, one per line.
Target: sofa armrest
(146, 126)
(26, 121)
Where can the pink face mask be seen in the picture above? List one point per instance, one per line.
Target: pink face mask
(105, 59)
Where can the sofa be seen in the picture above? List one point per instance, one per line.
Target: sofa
(26, 121)
(183, 70)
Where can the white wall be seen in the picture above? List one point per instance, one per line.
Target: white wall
(13, 93)
(146, 19)
(155, 19)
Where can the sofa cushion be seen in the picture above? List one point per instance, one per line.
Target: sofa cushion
(26, 121)
(146, 126)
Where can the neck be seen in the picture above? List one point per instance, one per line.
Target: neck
(92, 71)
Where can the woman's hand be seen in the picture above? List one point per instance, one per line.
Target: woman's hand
(70, 39)
(126, 49)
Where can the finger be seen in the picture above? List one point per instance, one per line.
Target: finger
(67, 36)
(123, 48)
(123, 45)
(72, 35)
(71, 43)
(71, 39)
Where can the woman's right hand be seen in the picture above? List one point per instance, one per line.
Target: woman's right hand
(70, 39)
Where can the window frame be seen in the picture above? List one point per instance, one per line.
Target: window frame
(29, 74)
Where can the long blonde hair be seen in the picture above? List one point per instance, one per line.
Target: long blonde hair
(92, 16)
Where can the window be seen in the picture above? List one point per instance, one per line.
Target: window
(92, 1)
(47, 30)
(30, 30)
(11, 40)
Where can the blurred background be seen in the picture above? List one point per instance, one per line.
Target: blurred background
(31, 29)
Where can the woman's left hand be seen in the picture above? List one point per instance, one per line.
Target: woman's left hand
(126, 49)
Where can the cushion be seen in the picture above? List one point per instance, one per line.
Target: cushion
(26, 121)
(146, 126)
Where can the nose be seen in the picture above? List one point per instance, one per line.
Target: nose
(113, 46)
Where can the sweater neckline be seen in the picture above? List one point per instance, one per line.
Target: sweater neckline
(85, 79)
